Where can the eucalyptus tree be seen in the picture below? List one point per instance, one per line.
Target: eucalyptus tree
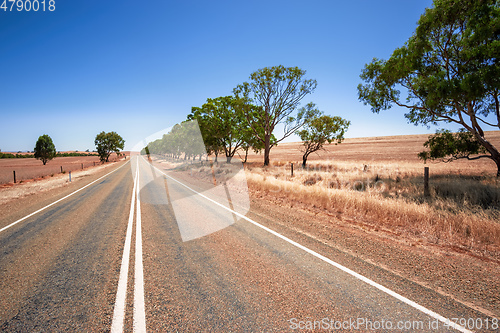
(320, 130)
(276, 92)
(45, 150)
(449, 71)
(106, 143)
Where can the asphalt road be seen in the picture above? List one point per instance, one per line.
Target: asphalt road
(125, 253)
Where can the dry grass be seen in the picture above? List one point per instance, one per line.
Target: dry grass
(463, 209)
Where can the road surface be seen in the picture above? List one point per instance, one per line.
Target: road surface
(111, 257)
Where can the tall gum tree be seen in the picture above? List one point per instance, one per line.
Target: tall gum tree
(277, 92)
(449, 69)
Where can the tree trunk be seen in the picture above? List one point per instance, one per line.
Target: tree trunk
(304, 161)
(246, 155)
(495, 154)
(228, 159)
(267, 149)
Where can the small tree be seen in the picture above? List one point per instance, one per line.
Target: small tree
(277, 92)
(320, 130)
(106, 143)
(45, 149)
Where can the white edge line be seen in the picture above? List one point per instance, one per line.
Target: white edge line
(139, 309)
(335, 264)
(49, 205)
(121, 293)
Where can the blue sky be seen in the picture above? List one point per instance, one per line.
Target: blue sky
(138, 67)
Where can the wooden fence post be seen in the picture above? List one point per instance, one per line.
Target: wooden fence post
(82, 166)
(61, 169)
(14, 175)
(292, 169)
(426, 182)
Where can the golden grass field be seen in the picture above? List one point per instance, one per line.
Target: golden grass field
(379, 180)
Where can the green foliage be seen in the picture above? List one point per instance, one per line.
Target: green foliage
(223, 125)
(277, 92)
(449, 146)
(319, 130)
(183, 139)
(449, 70)
(45, 149)
(106, 143)
(8, 155)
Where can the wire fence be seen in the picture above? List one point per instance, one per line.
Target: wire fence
(22, 169)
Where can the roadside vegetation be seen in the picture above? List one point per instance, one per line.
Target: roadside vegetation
(463, 209)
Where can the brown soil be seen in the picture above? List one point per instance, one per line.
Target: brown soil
(30, 168)
(35, 186)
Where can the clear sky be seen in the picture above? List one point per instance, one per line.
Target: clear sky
(138, 67)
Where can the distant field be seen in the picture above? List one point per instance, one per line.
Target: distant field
(30, 168)
(385, 149)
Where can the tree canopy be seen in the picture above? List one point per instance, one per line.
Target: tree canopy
(447, 146)
(183, 139)
(449, 70)
(277, 92)
(45, 150)
(107, 143)
(222, 123)
(318, 131)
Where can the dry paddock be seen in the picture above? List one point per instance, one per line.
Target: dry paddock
(31, 168)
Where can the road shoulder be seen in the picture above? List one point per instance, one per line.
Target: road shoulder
(462, 277)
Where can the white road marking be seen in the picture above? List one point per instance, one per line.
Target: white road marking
(139, 310)
(121, 293)
(335, 264)
(52, 204)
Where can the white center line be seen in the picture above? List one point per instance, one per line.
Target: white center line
(335, 264)
(121, 294)
(139, 310)
(139, 313)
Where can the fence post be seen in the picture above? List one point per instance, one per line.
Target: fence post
(14, 175)
(70, 176)
(61, 169)
(426, 182)
(82, 166)
(292, 169)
